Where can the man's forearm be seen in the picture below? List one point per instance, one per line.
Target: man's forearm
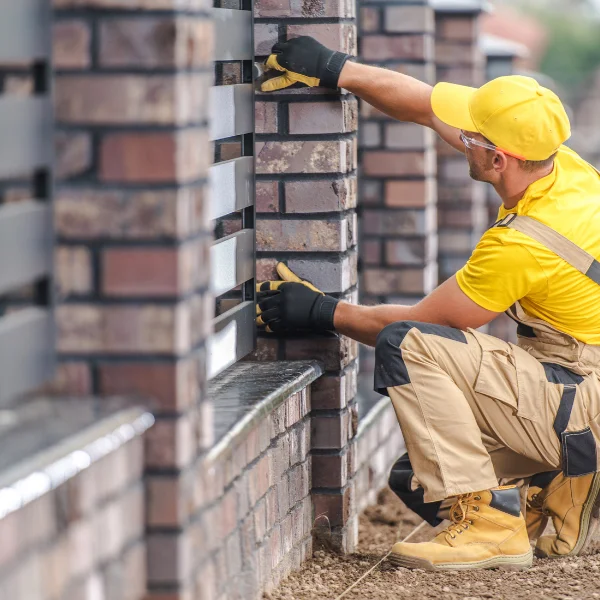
(363, 323)
(400, 96)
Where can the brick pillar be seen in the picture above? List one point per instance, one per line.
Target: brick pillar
(397, 191)
(306, 198)
(133, 154)
(462, 211)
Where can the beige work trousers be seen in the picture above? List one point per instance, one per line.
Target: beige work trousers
(474, 409)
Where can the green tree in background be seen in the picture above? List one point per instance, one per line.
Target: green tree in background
(573, 52)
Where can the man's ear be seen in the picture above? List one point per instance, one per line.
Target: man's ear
(500, 162)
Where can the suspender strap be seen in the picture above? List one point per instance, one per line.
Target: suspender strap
(570, 252)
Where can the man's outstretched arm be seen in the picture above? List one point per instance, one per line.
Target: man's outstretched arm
(295, 306)
(397, 95)
(306, 61)
(446, 305)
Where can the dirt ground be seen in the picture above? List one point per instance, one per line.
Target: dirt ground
(327, 575)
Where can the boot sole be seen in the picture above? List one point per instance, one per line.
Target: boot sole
(589, 522)
(509, 563)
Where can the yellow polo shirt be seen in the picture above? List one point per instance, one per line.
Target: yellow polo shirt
(507, 265)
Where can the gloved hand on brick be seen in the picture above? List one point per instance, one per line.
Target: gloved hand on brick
(293, 305)
(304, 60)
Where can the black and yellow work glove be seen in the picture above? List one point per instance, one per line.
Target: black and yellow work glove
(304, 60)
(293, 305)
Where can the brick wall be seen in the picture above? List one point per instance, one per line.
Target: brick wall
(255, 511)
(82, 539)
(462, 209)
(131, 104)
(379, 444)
(397, 165)
(306, 198)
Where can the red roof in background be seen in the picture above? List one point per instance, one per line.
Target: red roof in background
(507, 22)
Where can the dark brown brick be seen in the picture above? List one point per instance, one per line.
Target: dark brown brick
(154, 157)
(168, 386)
(265, 36)
(125, 99)
(396, 281)
(409, 19)
(71, 47)
(464, 28)
(335, 506)
(398, 222)
(290, 8)
(329, 470)
(267, 196)
(329, 431)
(85, 213)
(412, 47)
(335, 352)
(409, 194)
(265, 114)
(302, 236)
(323, 117)
(337, 36)
(320, 196)
(153, 42)
(398, 163)
(140, 272)
(147, 329)
(304, 157)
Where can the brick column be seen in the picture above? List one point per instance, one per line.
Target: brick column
(306, 198)
(133, 153)
(397, 191)
(462, 210)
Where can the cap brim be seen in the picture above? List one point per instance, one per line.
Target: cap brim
(450, 104)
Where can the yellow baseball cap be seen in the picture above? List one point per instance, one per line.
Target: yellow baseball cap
(515, 113)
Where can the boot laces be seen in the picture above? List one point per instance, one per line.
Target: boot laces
(461, 514)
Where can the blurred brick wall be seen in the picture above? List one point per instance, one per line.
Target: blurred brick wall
(131, 106)
(306, 198)
(85, 538)
(462, 209)
(397, 189)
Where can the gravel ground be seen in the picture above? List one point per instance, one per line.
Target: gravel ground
(327, 575)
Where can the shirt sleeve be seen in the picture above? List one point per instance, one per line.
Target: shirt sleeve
(499, 273)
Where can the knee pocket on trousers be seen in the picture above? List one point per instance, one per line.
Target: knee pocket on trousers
(578, 452)
(390, 369)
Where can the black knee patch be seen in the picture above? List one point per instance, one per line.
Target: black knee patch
(400, 481)
(390, 369)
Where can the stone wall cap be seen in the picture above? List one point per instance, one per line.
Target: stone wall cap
(495, 46)
(461, 6)
(35, 475)
(248, 391)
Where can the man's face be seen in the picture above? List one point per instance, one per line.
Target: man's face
(480, 160)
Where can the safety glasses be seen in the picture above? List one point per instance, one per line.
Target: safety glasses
(470, 143)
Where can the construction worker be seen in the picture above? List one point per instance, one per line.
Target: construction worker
(473, 409)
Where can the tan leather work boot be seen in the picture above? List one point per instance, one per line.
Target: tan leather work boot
(573, 504)
(488, 531)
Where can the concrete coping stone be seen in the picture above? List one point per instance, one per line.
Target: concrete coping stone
(57, 458)
(461, 6)
(246, 392)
